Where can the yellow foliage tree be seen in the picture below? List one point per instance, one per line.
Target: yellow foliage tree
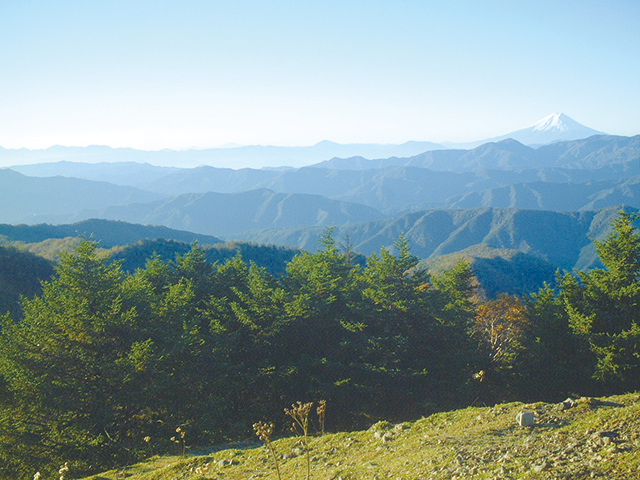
(499, 327)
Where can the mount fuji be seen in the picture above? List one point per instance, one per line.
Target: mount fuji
(552, 128)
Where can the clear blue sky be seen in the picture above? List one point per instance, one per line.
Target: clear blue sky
(179, 74)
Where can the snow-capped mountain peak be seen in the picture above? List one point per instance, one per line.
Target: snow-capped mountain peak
(554, 122)
(551, 128)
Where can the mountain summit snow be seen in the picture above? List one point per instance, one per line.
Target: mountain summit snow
(556, 122)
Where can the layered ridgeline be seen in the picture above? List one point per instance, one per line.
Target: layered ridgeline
(587, 174)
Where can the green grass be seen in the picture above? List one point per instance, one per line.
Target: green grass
(476, 442)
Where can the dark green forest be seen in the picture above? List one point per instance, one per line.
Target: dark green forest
(106, 356)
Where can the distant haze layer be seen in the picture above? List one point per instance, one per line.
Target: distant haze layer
(552, 128)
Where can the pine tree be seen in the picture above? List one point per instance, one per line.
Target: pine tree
(603, 305)
(66, 365)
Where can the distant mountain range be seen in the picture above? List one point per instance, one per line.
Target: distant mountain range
(256, 156)
(578, 175)
(553, 128)
(515, 211)
(512, 251)
(589, 153)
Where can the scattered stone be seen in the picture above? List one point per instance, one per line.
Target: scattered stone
(525, 419)
(568, 403)
(400, 427)
(540, 467)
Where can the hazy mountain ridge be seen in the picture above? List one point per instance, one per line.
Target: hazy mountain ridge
(589, 195)
(23, 197)
(226, 214)
(508, 154)
(392, 191)
(119, 173)
(241, 156)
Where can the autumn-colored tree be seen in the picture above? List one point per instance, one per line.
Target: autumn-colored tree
(499, 327)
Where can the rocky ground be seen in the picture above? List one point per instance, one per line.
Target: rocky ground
(576, 439)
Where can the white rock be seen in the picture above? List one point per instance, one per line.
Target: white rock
(525, 419)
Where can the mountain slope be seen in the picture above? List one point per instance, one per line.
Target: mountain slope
(499, 270)
(22, 197)
(20, 275)
(561, 238)
(211, 179)
(135, 255)
(554, 196)
(227, 214)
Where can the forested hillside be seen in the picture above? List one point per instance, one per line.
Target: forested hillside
(20, 275)
(499, 270)
(105, 358)
(562, 238)
(107, 232)
(272, 258)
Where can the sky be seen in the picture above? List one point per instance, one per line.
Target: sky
(199, 74)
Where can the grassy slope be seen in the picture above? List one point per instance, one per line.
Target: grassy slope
(594, 438)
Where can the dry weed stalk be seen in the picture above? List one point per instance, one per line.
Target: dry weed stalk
(300, 413)
(202, 470)
(264, 432)
(181, 433)
(63, 469)
(321, 411)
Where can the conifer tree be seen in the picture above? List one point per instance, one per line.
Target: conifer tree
(603, 305)
(66, 366)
